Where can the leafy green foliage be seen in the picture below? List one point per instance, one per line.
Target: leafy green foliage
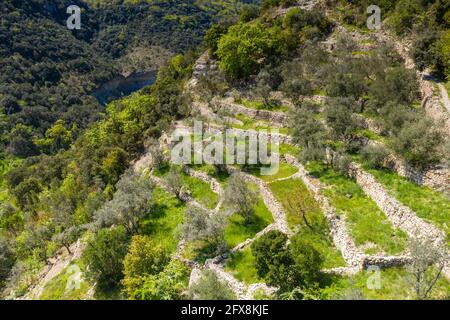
(104, 256)
(169, 284)
(144, 257)
(287, 266)
(243, 48)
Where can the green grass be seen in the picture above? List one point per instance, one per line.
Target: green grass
(369, 134)
(201, 191)
(258, 105)
(367, 223)
(221, 177)
(395, 285)
(59, 287)
(242, 266)
(288, 149)
(237, 231)
(428, 204)
(252, 124)
(163, 219)
(284, 171)
(294, 196)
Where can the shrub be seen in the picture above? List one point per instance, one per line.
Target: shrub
(375, 155)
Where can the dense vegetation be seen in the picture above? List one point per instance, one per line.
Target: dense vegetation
(427, 22)
(49, 72)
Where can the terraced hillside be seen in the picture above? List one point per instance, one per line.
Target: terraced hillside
(358, 206)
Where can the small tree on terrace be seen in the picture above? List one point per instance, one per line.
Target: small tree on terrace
(240, 198)
(67, 237)
(428, 261)
(199, 225)
(129, 205)
(158, 157)
(339, 117)
(174, 181)
(262, 87)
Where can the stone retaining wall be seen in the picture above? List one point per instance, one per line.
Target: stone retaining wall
(337, 225)
(271, 203)
(270, 116)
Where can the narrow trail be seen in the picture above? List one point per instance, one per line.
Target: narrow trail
(54, 268)
(445, 98)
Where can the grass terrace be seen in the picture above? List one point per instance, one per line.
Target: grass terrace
(284, 171)
(258, 105)
(252, 124)
(429, 204)
(305, 215)
(237, 231)
(242, 266)
(396, 284)
(368, 225)
(163, 219)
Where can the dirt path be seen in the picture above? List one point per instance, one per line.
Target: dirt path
(444, 94)
(50, 271)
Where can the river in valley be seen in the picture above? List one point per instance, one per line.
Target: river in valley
(122, 86)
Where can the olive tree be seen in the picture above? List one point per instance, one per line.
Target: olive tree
(199, 225)
(129, 204)
(174, 182)
(428, 261)
(240, 198)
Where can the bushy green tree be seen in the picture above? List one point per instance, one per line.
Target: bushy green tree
(144, 258)
(419, 143)
(245, 46)
(442, 50)
(273, 260)
(288, 266)
(11, 219)
(307, 260)
(169, 284)
(104, 256)
(375, 155)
